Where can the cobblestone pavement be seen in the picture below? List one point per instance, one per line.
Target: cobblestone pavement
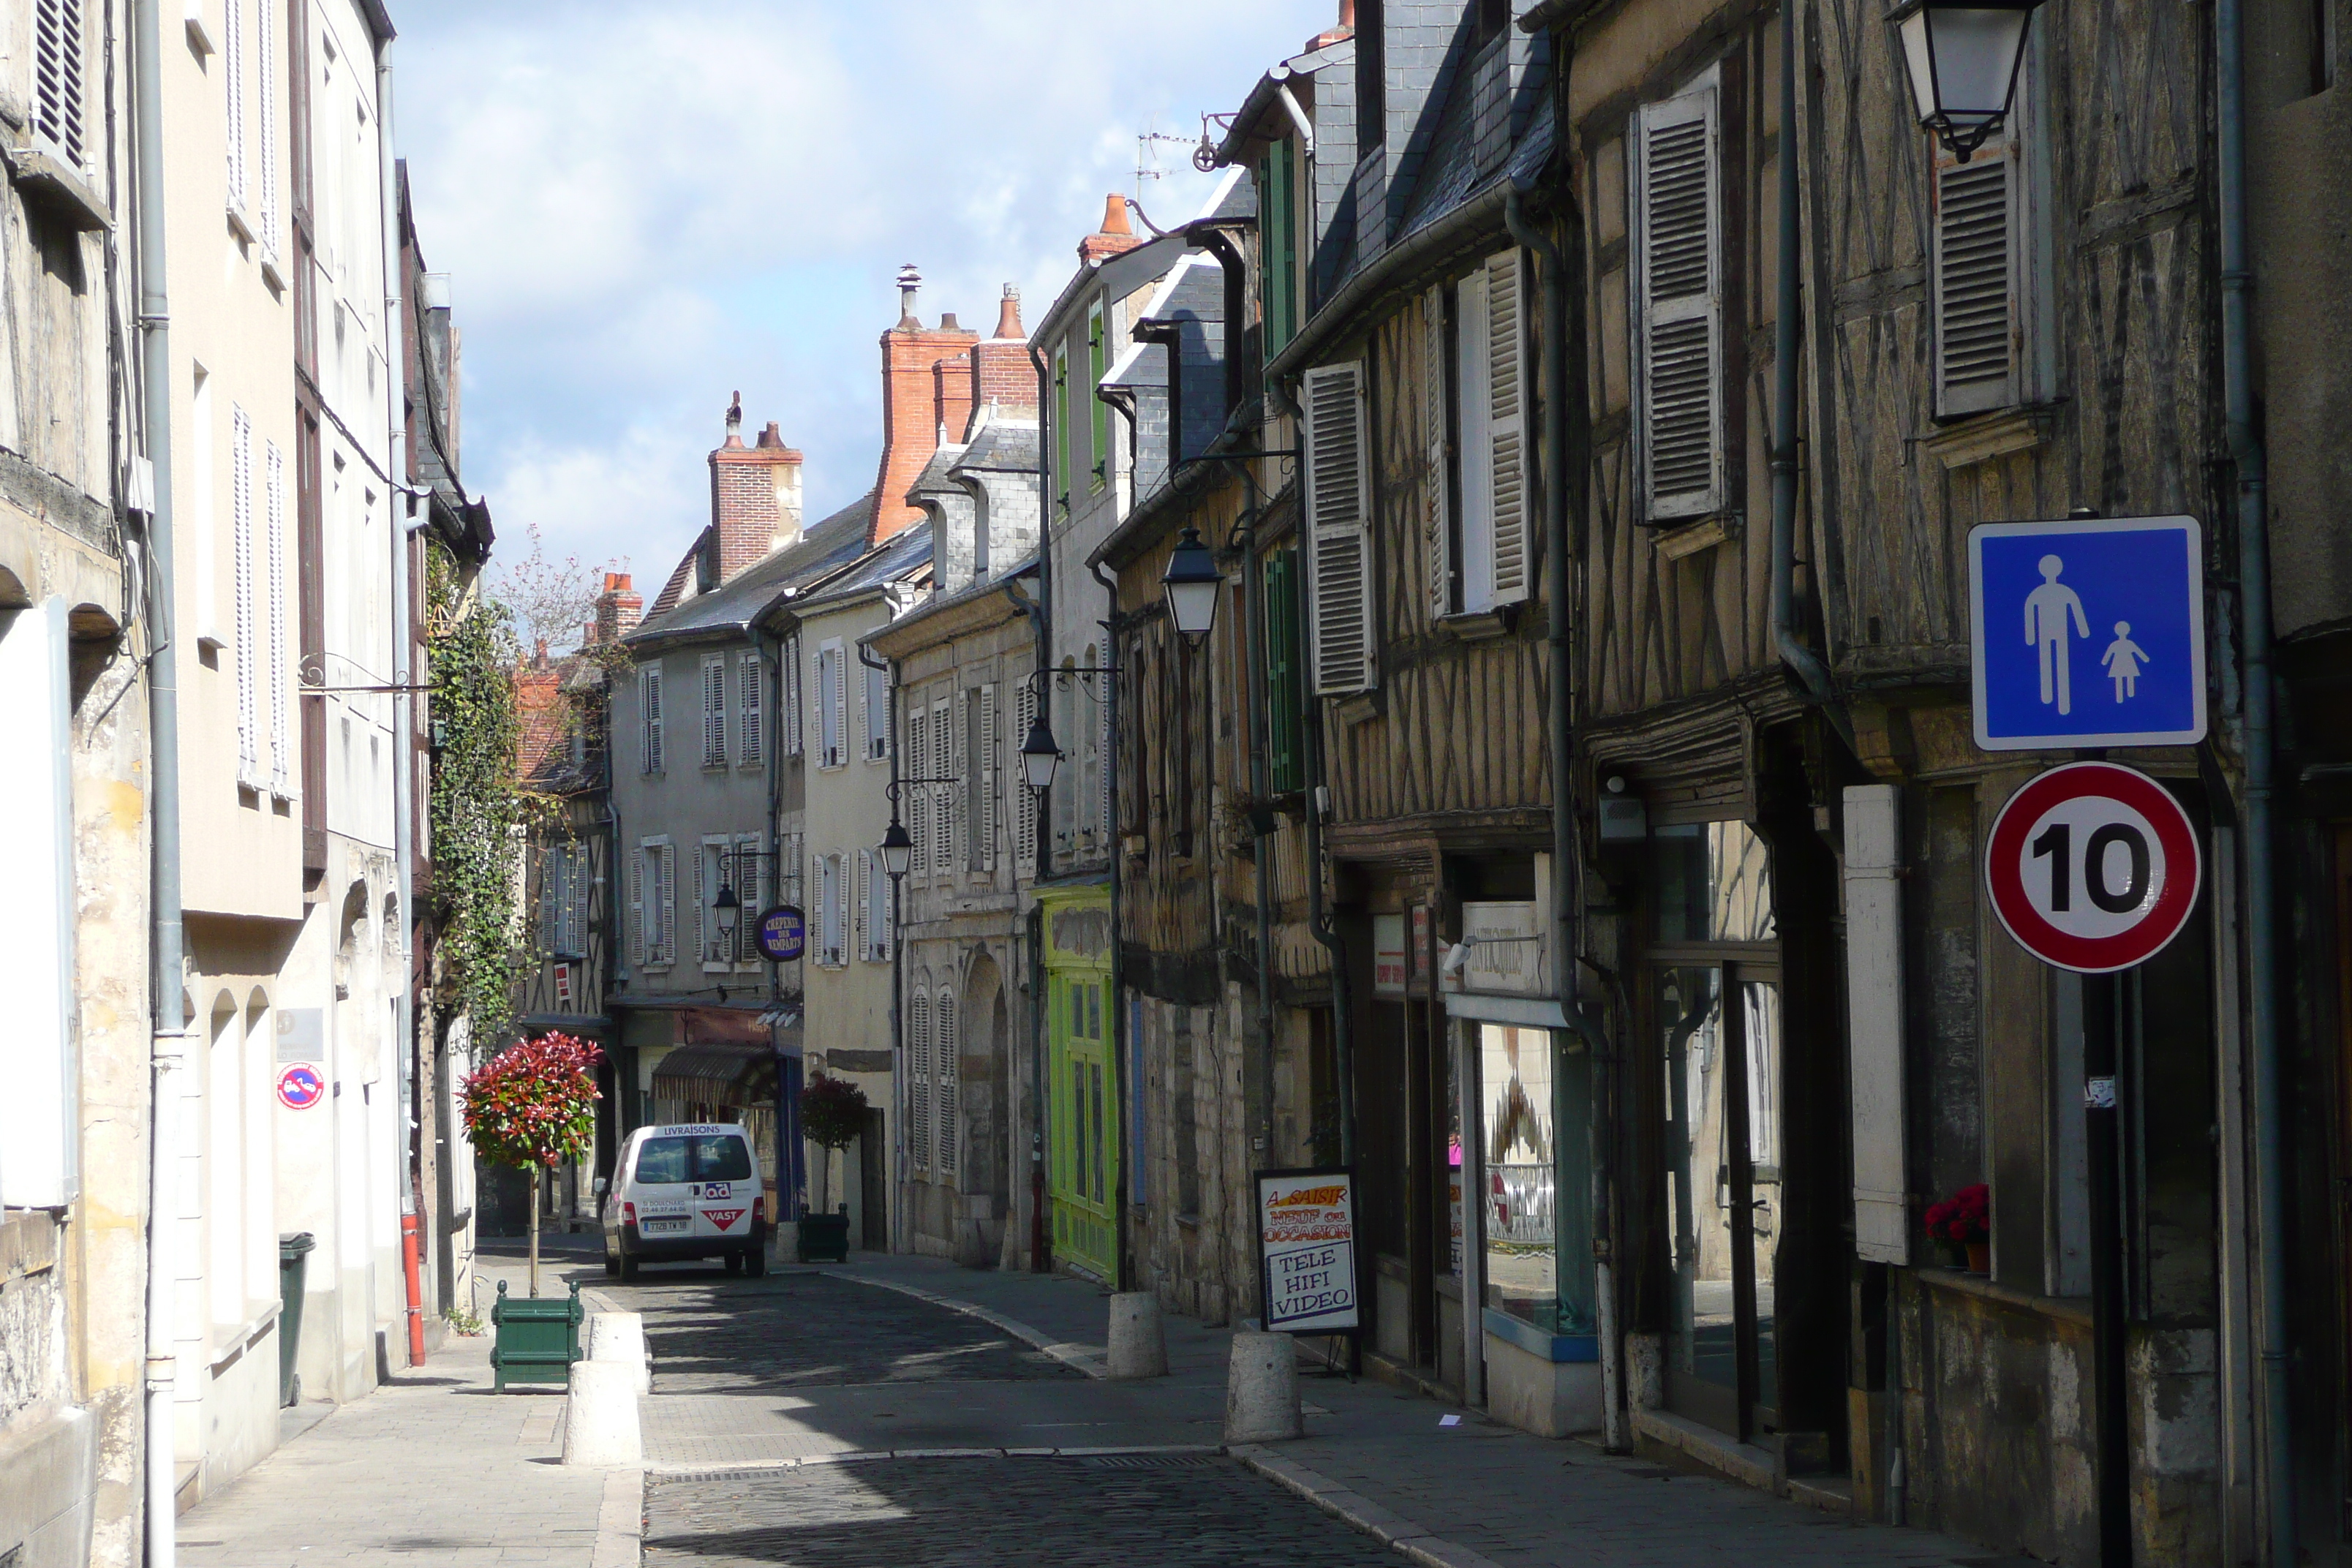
(711, 1332)
(1167, 1510)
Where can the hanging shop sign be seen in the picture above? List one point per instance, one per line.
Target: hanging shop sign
(1307, 1250)
(300, 1086)
(783, 934)
(2092, 867)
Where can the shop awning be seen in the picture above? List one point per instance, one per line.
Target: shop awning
(1528, 1012)
(730, 1073)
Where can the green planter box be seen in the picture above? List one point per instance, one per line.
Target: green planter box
(824, 1236)
(538, 1337)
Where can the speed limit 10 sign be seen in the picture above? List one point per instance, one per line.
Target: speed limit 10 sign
(2092, 867)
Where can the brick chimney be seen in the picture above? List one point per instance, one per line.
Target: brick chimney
(1001, 370)
(917, 403)
(1114, 236)
(755, 495)
(618, 609)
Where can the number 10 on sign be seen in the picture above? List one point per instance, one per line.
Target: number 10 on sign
(2092, 867)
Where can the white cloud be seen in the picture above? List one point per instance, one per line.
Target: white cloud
(647, 207)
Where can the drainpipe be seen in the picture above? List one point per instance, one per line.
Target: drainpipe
(1118, 1067)
(2254, 670)
(403, 717)
(900, 1086)
(170, 1030)
(1559, 722)
(1802, 662)
(1035, 931)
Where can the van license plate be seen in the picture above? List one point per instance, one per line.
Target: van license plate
(663, 1226)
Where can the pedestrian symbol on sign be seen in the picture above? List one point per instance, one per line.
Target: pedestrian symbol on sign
(2037, 589)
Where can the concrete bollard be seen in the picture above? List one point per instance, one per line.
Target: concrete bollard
(600, 1415)
(620, 1337)
(1138, 1346)
(1262, 1390)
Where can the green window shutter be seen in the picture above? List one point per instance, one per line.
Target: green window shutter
(1062, 427)
(1279, 249)
(1287, 742)
(1098, 412)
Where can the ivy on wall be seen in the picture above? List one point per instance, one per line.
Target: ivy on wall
(477, 804)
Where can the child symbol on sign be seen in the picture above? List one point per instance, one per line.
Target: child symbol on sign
(2121, 661)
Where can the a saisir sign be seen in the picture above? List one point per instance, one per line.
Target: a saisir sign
(1307, 1249)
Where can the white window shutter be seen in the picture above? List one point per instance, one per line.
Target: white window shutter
(1873, 966)
(1677, 212)
(1018, 799)
(58, 79)
(961, 793)
(1340, 574)
(919, 1078)
(1505, 472)
(869, 716)
(1106, 781)
(885, 911)
(1976, 239)
(866, 905)
(246, 570)
(916, 801)
(282, 768)
(265, 76)
(988, 777)
(943, 814)
(790, 697)
(637, 905)
(840, 909)
(651, 698)
(943, 1081)
(751, 676)
(669, 903)
(877, 698)
(714, 710)
(837, 697)
(1435, 514)
(233, 97)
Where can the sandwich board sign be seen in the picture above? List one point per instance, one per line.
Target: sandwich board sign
(2092, 867)
(2089, 632)
(1307, 1250)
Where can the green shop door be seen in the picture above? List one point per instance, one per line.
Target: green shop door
(1084, 1168)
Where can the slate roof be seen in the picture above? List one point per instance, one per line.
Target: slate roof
(822, 550)
(902, 557)
(1000, 446)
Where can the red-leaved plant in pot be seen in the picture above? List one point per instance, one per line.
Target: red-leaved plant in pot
(1964, 1220)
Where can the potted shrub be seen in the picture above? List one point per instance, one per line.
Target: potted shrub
(1963, 1223)
(833, 1114)
(534, 1106)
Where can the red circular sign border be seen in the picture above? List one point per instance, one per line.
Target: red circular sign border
(2104, 955)
(287, 1072)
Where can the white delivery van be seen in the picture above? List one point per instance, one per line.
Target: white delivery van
(684, 1191)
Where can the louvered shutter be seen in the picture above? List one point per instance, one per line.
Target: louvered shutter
(1021, 802)
(866, 945)
(637, 905)
(582, 886)
(1506, 398)
(916, 801)
(1436, 518)
(837, 699)
(650, 693)
(58, 57)
(265, 76)
(965, 853)
(919, 1079)
(988, 777)
(551, 933)
(869, 716)
(714, 711)
(943, 817)
(233, 97)
(943, 1081)
(1975, 276)
(280, 649)
(840, 909)
(751, 679)
(1676, 210)
(669, 903)
(1340, 535)
(248, 614)
(1105, 776)
(792, 695)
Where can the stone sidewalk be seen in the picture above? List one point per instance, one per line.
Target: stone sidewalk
(1465, 1496)
(432, 1467)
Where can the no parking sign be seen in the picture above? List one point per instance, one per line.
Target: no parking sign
(2092, 867)
(300, 1087)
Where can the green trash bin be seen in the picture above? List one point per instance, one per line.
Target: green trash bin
(538, 1337)
(293, 1267)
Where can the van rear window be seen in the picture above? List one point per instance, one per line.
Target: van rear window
(720, 1157)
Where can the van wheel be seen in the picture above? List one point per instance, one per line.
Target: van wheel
(629, 1267)
(612, 1264)
(755, 1262)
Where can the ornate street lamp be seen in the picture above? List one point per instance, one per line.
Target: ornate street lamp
(897, 850)
(1039, 755)
(1963, 60)
(1192, 584)
(727, 908)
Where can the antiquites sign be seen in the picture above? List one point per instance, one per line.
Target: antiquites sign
(1307, 1249)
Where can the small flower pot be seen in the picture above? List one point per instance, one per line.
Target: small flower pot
(1981, 1257)
(1950, 1254)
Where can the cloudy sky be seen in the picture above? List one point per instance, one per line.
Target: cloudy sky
(646, 205)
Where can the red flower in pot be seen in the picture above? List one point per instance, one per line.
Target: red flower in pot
(1964, 1220)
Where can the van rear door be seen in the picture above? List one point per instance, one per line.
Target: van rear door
(723, 1187)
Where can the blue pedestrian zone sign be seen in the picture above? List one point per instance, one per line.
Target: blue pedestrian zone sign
(2089, 632)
